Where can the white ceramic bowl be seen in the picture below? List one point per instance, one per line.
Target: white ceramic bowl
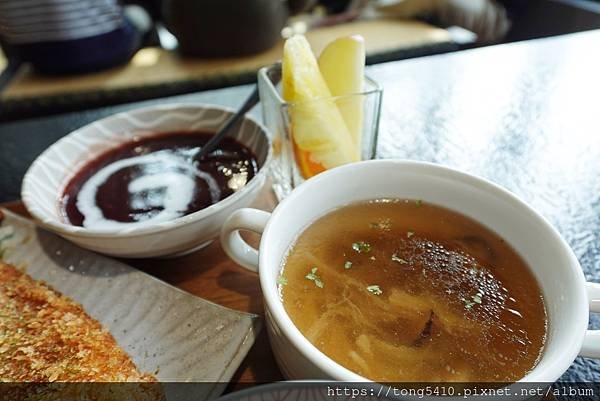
(567, 296)
(45, 180)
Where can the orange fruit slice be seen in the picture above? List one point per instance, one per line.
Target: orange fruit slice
(321, 138)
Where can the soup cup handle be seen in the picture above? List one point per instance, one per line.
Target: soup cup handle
(591, 342)
(232, 242)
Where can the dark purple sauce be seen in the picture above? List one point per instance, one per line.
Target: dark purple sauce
(231, 166)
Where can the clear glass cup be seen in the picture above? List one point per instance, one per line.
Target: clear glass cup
(292, 165)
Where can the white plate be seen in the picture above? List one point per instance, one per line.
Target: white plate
(182, 337)
(46, 178)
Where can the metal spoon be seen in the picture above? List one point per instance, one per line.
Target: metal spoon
(251, 101)
(222, 133)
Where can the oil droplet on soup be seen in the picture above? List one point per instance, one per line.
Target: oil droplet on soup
(402, 290)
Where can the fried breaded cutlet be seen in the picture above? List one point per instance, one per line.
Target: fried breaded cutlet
(47, 337)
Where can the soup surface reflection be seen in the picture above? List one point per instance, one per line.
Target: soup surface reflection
(402, 290)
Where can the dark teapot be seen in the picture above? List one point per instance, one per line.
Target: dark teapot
(222, 28)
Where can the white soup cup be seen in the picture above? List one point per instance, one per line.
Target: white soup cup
(568, 298)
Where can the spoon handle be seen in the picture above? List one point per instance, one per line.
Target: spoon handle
(214, 141)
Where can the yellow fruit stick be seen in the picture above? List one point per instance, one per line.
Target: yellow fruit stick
(317, 124)
(342, 64)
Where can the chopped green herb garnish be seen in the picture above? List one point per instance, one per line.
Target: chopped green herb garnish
(374, 289)
(282, 280)
(409, 234)
(398, 259)
(7, 234)
(348, 265)
(475, 300)
(418, 202)
(361, 247)
(312, 276)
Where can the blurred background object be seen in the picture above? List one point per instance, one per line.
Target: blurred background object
(140, 49)
(488, 19)
(71, 36)
(225, 28)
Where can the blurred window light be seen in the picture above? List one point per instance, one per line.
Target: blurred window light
(461, 35)
(146, 57)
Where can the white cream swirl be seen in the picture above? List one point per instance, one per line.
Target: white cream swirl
(175, 173)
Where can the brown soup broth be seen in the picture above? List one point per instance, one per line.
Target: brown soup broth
(407, 291)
